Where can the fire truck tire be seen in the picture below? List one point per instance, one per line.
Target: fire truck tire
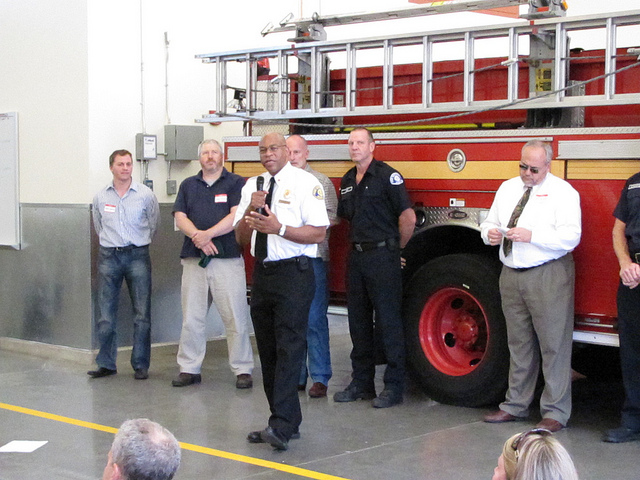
(455, 330)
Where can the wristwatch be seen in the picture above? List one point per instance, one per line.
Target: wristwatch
(282, 231)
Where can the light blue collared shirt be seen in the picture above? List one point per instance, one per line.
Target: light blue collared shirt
(130, 220)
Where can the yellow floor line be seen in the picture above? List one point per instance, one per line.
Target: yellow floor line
(301, 472)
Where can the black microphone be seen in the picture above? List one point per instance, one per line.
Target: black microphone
(260, 186)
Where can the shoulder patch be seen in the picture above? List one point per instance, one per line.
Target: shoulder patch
(634, 185)
(396, 179)
(318, 193)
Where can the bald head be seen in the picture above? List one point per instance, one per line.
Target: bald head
(298, 151)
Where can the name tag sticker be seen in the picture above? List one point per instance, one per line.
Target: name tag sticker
(109, 208)
(221, 198)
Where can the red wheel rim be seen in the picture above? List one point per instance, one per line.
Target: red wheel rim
(453, 331)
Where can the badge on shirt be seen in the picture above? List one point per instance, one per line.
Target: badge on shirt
(318, 193)
(109, 208)
(396, 179)
(346, 190)
(221, 198)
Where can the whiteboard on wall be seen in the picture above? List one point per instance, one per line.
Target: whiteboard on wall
(9, 193)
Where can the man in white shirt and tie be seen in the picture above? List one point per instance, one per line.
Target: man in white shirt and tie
(536, 220)
(283, 228)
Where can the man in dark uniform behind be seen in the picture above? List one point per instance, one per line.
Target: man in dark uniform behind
(374, 200)
(626, 244)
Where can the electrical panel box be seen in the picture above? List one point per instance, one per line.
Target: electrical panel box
(146, 147)
(181, 141)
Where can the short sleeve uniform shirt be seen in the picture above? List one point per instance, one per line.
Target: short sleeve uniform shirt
(374, 205)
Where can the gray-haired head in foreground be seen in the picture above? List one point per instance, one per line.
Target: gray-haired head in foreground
(145, 450)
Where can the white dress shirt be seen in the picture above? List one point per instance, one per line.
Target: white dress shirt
(298, 199)
(552, 214)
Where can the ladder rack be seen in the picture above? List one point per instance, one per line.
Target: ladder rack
(305, 94)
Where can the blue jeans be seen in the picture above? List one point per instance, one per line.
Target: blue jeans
(114, 266)
(319, 357)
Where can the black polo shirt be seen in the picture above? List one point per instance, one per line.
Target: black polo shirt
(628, 211)
(374, 205)
(206, 205)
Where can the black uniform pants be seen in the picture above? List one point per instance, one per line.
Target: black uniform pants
(629, 329)
(281, 296)
(374, 284)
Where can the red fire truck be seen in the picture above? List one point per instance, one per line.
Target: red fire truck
(454, 128)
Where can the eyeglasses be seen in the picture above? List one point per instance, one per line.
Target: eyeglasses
(270, 149)
(534, 431)
(524, 168)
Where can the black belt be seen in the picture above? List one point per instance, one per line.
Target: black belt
(527, 268)
(367, 246)
(124, 249)
(278, 263)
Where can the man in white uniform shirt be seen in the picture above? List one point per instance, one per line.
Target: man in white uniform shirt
(284, 228)
(536, 220)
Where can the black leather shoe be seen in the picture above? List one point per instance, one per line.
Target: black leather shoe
(273, 438)
(185, 379)
(386, 399)
(621, 435)
(254, 437)
(141, 374)
(353, 393)
(101, 372)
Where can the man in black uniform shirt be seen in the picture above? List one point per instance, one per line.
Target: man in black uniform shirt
(626, 244)
(373, 198)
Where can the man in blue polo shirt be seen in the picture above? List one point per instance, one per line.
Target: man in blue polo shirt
(212, 262)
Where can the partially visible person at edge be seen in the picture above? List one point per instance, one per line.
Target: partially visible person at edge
(534, 455)
(318, 364)
(536, 220)
(212, 264)
(626, 245)
(142, 450)
(125, 216)
(374, 200)
(284, 227)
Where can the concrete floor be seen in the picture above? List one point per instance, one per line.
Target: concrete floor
(420, 439)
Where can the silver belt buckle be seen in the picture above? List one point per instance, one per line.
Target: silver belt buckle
(636, 257)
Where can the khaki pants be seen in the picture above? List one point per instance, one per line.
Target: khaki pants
(225, 279)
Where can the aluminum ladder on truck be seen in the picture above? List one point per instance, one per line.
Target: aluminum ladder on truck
(283, 95)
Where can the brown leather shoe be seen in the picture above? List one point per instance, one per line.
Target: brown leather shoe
(186, 379)
(318, 390)
(550, 424)
(500, 417)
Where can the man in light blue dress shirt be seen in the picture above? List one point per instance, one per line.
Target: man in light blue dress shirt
(125, 216)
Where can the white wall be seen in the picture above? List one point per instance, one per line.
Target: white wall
(43, 65)
(115, 51)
